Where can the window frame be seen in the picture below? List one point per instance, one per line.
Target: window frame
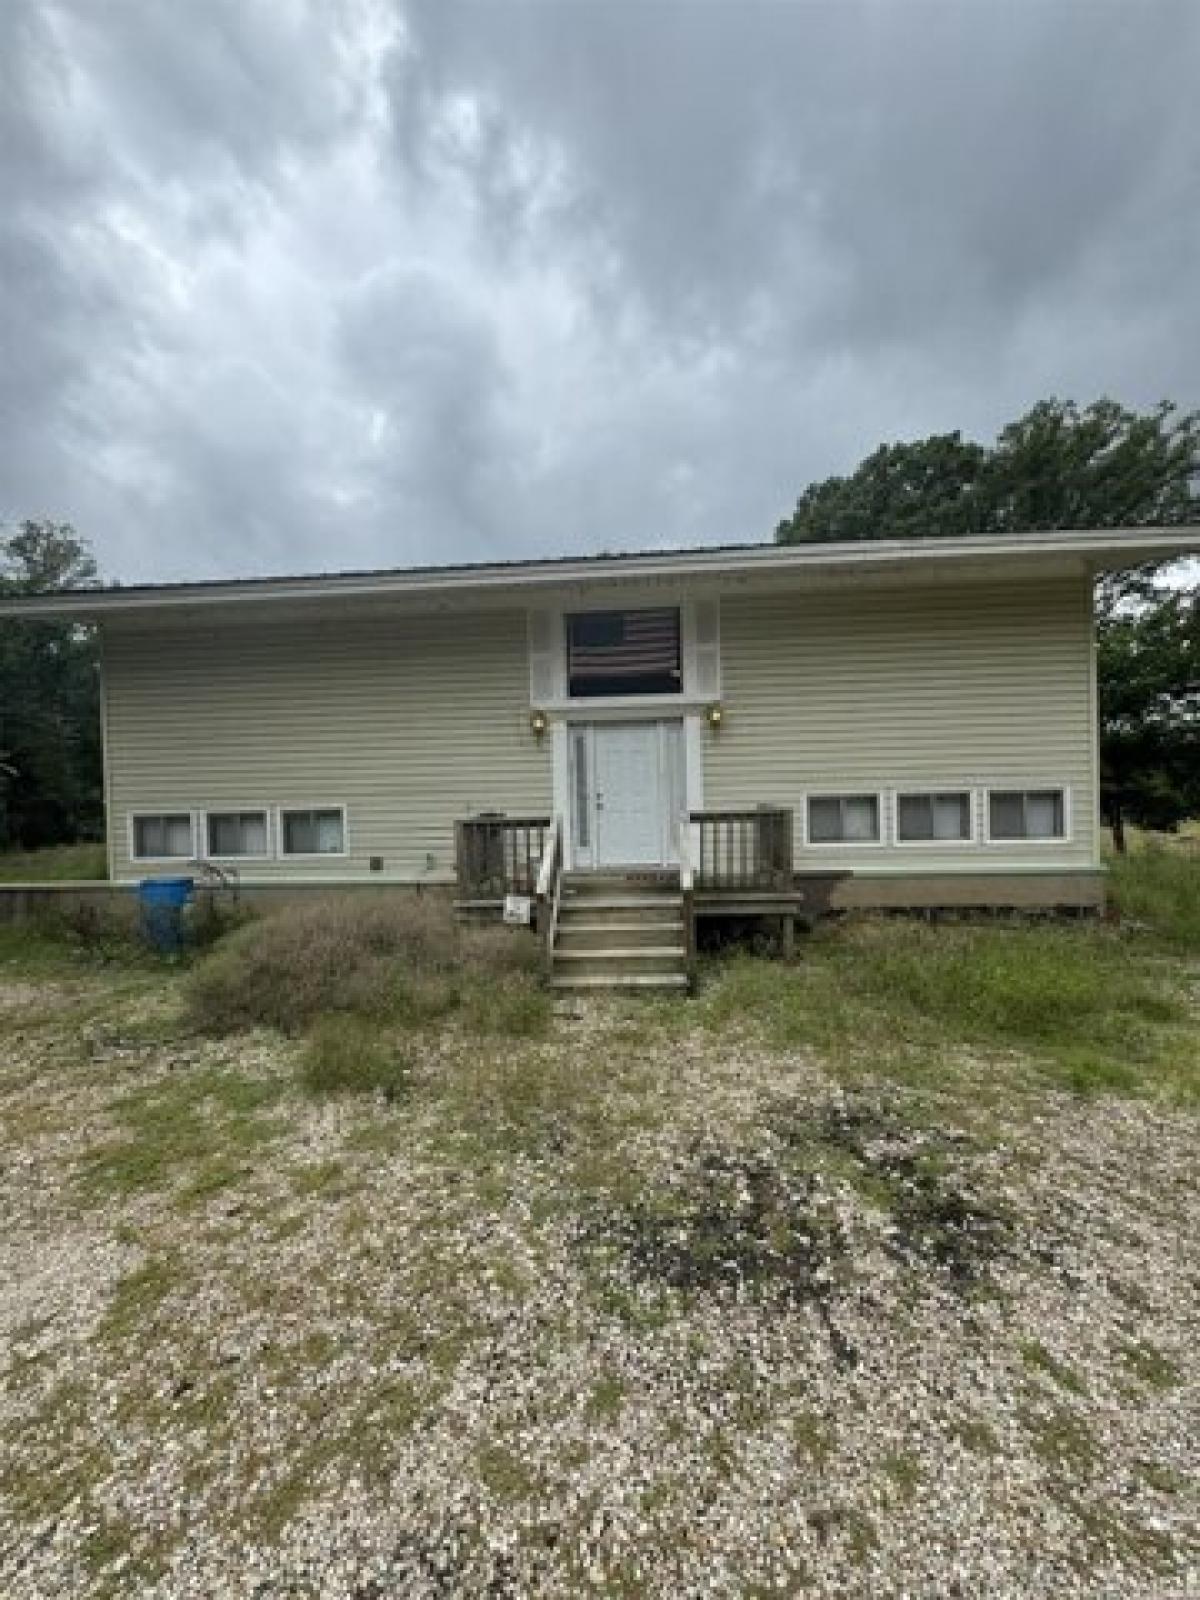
(1026, 841)
(209, 812)
(931, 791)
(134, 817)
(282, 853)
(879, 842)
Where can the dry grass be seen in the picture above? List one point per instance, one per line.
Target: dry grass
(403, 960)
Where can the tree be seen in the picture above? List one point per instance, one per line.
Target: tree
(1062, 467)
(50, 758)
(1148, 665)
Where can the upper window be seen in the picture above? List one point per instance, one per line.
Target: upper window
(624, 652)
(922, 818)
(843, 819)
(236, 833)
(320, 831)
(1027, 814)
(163, 837)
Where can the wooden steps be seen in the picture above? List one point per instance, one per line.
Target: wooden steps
(615, 932)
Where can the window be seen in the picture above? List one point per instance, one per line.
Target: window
(236, 833)
(624, 652)
(1027, 814)
(582, 792)
(843, 819)
(320, 831)
(931, 818)
(166, 836)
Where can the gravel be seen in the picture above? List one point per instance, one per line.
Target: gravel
(629, 1311)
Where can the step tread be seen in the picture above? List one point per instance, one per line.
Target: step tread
(618, 902)
(632, 980)
(623, 952)
(645, 925)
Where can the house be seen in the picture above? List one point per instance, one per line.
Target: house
(756, 728)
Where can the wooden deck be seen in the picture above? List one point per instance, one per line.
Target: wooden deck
(732, 863)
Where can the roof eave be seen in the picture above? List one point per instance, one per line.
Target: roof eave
(1097, 550)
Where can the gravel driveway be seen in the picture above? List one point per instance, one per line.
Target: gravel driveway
(633, 1310)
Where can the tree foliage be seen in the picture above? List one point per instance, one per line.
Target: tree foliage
(1056, 467)
(1060, 466)
(50, 757)
(1148, 665)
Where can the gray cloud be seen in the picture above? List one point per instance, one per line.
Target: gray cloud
(334, 282)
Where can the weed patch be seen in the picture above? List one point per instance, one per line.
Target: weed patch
(1156, 888)
(902, 995)
(350, 1055)
(191, 1127)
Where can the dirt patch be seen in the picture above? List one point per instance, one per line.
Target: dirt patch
(768, 1226)
(934, 1221)
(741, 1227)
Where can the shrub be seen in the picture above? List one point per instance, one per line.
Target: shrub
(349, 1055)
(403, 958)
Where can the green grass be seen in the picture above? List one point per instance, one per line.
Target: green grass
(55, 864)
(1150, 1366)
(191, 1130)
(899, 995)
(1157, 886)
(139, 1294)
(352, 1055)
(1036, 1356)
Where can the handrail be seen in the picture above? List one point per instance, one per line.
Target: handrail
(549, 853)
(687, 891)
(549, 891)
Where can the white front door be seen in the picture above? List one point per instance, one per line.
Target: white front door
(626, 791)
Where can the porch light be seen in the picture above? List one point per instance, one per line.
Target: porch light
(537, 723)
(715, 715)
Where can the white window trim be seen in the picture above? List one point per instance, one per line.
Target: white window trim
(640, 598)
(140, 815)
(928, 789)
(227, 811)
(1040, 841)
(311, 855)
(880, 842)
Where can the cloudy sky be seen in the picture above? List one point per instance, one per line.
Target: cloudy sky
(314, 284)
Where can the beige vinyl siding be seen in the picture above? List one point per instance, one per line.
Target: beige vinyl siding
(874, 690)
(409, 722)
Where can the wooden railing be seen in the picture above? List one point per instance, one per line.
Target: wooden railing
(746, 850)
(549, 892)
(499, 855)
(687, 891)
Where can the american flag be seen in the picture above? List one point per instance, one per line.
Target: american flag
(623, 645)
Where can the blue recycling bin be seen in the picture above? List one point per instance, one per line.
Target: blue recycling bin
(162, 902)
